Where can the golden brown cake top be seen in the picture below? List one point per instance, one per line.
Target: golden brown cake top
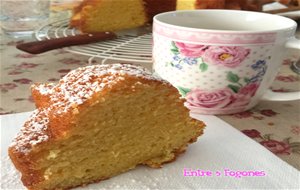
(52, 118)
(33, 132)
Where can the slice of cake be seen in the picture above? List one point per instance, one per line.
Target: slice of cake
(100, 121)
(109, 15)
(112, 15)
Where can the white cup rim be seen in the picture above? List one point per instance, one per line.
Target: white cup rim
(291, 24)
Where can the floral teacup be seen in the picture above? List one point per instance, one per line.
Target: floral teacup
(222, 61)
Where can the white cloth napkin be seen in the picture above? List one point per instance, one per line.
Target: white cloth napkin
(221, 148)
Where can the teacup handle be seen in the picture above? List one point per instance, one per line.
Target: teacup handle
(281, 96)
(293, 43)
(287, 96)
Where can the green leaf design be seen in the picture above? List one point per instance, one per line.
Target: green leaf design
(247, 80)
(203, 67)
(295, 144)
(175, 51)
(287, 140)
(174, 48)
(232, 77)
(296, 151)
(183, 91)
(174, 45)
(267, 136)
(234, 88)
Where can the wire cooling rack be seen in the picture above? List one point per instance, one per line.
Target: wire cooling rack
(131, 46)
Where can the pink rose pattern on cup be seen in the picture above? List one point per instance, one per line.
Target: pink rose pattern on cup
(219, 99)
(238, 92)
(210, 99)
(228, 56)
(190, 50)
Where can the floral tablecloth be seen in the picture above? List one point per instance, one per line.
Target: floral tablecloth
(275, 125)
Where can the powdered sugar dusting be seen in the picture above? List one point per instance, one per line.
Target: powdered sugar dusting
(44, 89)
(33, 132)
(80, 84)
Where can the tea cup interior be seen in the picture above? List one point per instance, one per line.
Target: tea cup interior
(225, 20)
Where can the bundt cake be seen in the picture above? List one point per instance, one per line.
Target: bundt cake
(100, 121)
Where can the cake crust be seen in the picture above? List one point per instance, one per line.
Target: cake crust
(149, 8)
(124, 18)
(58, 107)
